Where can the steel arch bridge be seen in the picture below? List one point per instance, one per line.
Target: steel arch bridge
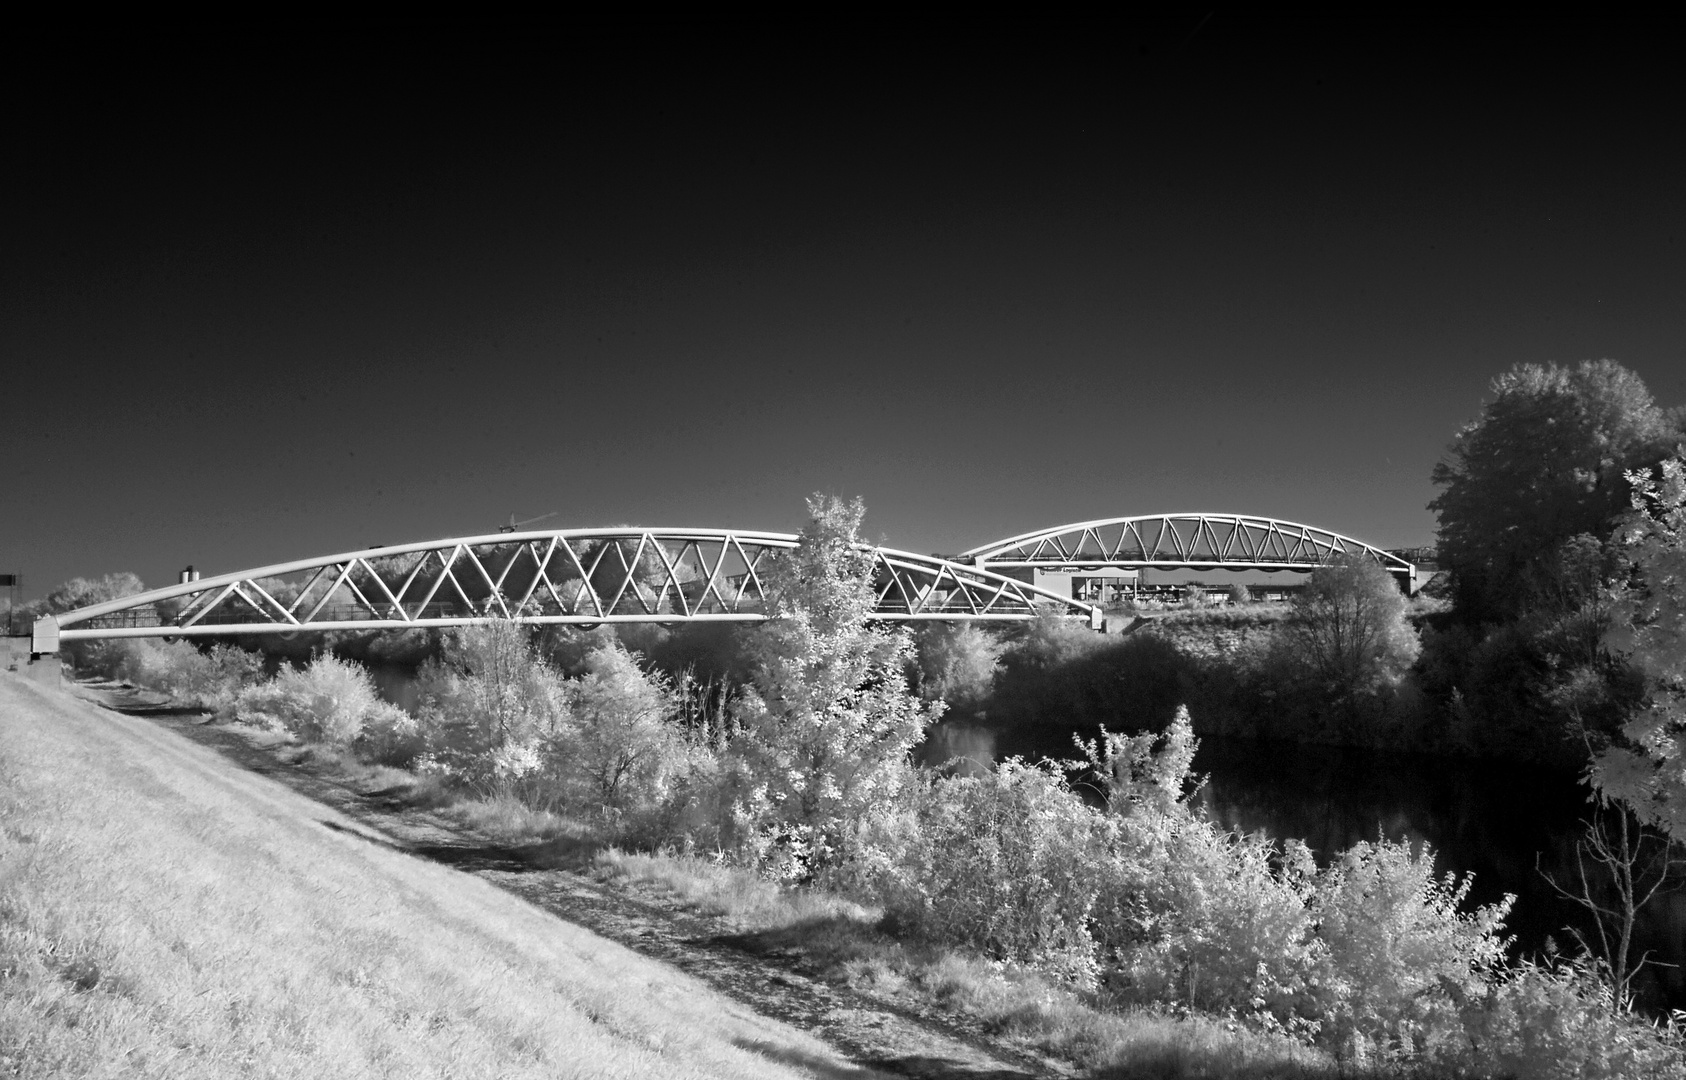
(1184, 542)
(565, 576)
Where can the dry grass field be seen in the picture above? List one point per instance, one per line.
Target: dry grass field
(163, 913)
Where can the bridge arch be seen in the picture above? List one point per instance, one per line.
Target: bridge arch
(1183, 541)
(563, 576)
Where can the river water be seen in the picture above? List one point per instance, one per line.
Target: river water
(1491, 819)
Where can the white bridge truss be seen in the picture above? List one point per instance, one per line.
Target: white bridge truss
(1183, 541)
(568, 576)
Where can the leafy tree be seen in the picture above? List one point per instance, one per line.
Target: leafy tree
(1646, 768)
(623, 742)
(81, 592)
(489, 703)
(1347, 629)
(1543, 463)
(958, 663)
(828, 722)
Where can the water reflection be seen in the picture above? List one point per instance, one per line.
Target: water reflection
(1490, 819)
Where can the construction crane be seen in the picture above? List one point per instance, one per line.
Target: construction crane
(515, 525)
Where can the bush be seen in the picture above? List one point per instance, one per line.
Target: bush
(210, 678)
(1049, 642)
(1068, 676)
(1209, 919)
(1009, 863)
(500, 719)
(1400, 957)
(490, 707)
(623, 745)
(1373, 956)
(957, 663)
(1015, 864)
(1195, 914)
(331, 701)
(1559, 1019)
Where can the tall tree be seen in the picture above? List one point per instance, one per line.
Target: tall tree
(1544, 462)
(828, 723)
(82, 592)
(1348, 629)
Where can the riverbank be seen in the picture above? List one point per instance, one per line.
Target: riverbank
(1509, 824)
(756, 959)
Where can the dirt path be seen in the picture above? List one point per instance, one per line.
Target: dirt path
(778, 984)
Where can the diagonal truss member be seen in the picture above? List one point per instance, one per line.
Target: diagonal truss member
(1184, 541)
(567, 576)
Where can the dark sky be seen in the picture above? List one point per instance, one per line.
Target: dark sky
(264, 298)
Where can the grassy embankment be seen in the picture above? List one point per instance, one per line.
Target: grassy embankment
(165, 914)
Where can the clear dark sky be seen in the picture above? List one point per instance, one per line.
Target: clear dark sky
(267, 299)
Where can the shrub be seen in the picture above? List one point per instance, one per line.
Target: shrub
(623, 745)
(1207, 918)
(957, 662)
(1009, 863)
(1194, 914)
(331, 700)
(1559, 1019)
(1401, 958)
(490, 706)
(1067, 676)
(1050, 641)
(1143, 769)
(499, 718)
(210, 678)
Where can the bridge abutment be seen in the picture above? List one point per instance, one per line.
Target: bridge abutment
(18, 658)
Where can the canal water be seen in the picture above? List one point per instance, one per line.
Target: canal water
(1503, 823)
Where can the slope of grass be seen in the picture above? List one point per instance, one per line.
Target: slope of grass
(164, 914)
